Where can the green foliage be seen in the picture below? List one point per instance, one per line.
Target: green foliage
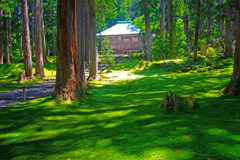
(139, 22)
(161, 49)
(138, 55)
(107, 52)
(180, 38)
(16, 56)
(11, 71)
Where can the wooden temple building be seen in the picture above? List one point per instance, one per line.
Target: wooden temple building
(124, 37)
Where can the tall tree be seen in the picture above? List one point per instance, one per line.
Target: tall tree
(10, 33)
(1, 38)
(88, 37)
(7, 55)
(228, 50)
(221, 21)
(162, 20)
(43, 33)
(38, 39)
(26, 38)
(233, 87)
(197, 31)
(209, 20)
(82, 8)
(170, 24)
(93, 43)
(32, 21)
(21, 34)
(148, 30)
(68, 84)
(52, 28)
(186, 24)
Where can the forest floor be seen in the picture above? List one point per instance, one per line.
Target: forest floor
(121, 119)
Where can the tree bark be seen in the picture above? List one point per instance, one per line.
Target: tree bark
(68, 84)
(148, 30)
(221, 21)
(233, 30)
(233, 87)
(170, 24)
(209, 21)
(228, 50)
(82, 8)
(186, 23)
(32, 20)
(162, 20)
(88, 37)
(1, 38)
(7, 56)
(197, 31)
(53, 36)
(43, 34)
(48, 41)
(94, 55)
(10, 34)
(26, 36)
(21, 37)
(38, 39)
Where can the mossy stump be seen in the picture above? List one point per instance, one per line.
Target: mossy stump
(143, 64)
(22, 77)
(174, 102)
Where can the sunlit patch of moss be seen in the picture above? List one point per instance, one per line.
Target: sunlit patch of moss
(163, 153)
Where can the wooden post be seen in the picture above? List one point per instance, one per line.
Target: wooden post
(52, 72)
(24, 94)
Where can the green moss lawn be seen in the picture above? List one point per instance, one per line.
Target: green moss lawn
(121, 120)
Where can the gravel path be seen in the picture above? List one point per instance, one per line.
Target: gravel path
(32, 92)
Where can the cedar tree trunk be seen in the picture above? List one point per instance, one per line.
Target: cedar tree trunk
(81, 36)
(87, 42)
(220, 2)
(233, 87)
(170, 23)
(1, 39)
(10, 34)
(148, 30)
(32, 20)
(228, 44)
(197, 32)
(38, 39)
(68, 84)
(162, 20)
(43, 34)
(7, 56)
(53, 36)
(186, 26)
(26, 39)
(94, 56)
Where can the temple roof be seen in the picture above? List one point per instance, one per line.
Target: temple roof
(121, 28)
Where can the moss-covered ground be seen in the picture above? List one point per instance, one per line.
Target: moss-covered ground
(121, 120)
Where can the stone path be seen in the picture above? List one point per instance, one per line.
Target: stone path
(45, 89)
(32, 92)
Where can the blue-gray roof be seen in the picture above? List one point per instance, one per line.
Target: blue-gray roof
(121, 28)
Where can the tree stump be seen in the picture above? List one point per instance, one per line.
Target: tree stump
(174, 102)
(143, 64)
(22, 77)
